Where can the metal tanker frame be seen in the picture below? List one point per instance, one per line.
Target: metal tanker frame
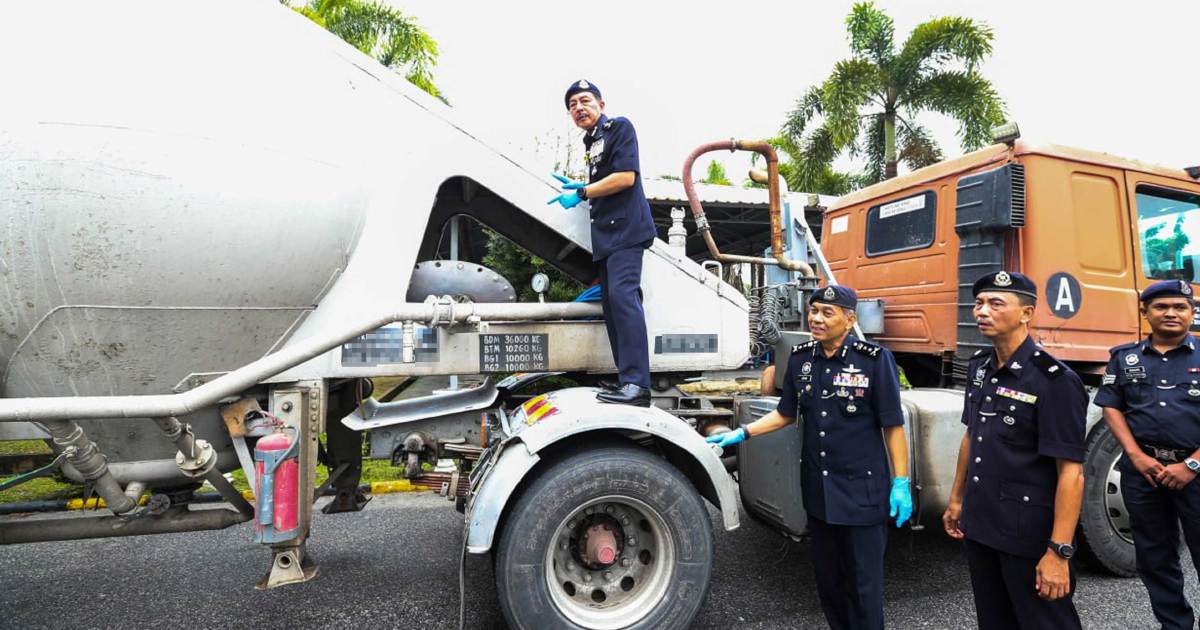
(194, 221)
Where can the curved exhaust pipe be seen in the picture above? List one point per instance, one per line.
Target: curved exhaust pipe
(776, 209)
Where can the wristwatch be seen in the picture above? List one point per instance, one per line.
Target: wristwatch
(1064, 550)
(1192, 465)
(582, 192)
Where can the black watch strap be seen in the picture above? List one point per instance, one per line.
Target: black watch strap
(582, 192)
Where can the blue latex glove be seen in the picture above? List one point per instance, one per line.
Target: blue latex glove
(567, 199)
(568, 184)
(727, 439)
(901, 500)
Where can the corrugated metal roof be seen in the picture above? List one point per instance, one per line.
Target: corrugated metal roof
(666, 190)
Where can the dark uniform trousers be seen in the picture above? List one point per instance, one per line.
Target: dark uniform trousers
(1021, 418)
(845, 400)
(1155, 515)
(1004, 584)
(620, 295)
(1159, 394)
(849, 561)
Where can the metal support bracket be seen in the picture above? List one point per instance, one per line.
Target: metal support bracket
(290, 565)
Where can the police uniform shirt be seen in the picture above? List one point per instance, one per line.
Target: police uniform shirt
(622, 219)
(844, 400)
(1020, 418)
(1158, 393)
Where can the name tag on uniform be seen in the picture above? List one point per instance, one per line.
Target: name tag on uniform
(1135, 373)
(850, 380)
(1016, 395)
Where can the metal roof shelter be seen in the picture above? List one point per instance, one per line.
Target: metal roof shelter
(738, 216)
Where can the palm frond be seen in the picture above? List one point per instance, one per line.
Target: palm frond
(807, 108)
(965, 96)
(940, 41)
(917, 148)
(872, 33)
(853, 84)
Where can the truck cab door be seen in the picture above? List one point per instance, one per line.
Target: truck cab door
(1165, 217)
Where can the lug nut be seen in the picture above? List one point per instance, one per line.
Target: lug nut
(588, 511)
(563, 545)
(633, 540)
(608, 508)
(608, 575)
(570, 566)
(624, 562)
(624, 520)
(587, 577)
(570, 524)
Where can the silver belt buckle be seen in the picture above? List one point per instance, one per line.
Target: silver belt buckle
(1164, 454)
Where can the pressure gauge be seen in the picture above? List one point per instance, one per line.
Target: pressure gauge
(540, 282)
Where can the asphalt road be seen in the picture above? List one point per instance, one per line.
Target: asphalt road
(395, 565)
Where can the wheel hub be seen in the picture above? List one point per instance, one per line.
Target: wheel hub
(610, 563)
(1114, 503)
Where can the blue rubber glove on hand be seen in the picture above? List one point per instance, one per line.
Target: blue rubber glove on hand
(567, 199)
(727, 439)
(901, 500)
(568, 184)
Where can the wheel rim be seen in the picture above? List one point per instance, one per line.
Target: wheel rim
(604, 596)
(1114, 502)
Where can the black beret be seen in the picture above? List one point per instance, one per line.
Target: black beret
(1167, 288)
(582, 85)
(837, 295)
(1006, 281)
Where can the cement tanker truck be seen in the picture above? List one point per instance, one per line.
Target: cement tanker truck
(196, 280)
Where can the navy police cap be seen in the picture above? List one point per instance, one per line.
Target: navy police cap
(1006, 281)
(835, 294)
(582, 85)
(1167, 288)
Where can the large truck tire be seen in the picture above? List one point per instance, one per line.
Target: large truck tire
(1104, 521)
(658, 572)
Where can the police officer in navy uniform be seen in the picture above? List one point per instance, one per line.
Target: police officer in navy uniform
(1151, 400)
(848, 392)
(1019, 481)
(622, 229)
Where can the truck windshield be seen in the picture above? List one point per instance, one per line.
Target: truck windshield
(1169, 229)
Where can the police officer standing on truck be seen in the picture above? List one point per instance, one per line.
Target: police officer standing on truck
(1151, 400)
(848, 392)
(1019, 481)
(622, 229)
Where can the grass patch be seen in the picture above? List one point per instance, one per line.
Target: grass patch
(24, 447)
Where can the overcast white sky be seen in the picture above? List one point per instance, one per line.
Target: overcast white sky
(1119, 77)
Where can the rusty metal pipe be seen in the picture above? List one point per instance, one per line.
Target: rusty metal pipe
(773, 201)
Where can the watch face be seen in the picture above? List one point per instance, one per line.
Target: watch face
(1066, 551)
(1192, 464)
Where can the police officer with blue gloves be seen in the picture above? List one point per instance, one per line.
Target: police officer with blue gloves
(1151, 400)
(848, 392)
(622, 229)
(1019, 482)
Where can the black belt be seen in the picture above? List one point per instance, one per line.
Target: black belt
(1164, 454)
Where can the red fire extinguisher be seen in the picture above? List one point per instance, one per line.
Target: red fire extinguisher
(277, 488)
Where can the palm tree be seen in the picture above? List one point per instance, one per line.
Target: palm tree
(869, 103)
(382, 32)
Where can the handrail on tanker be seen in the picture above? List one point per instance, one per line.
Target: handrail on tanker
(165, 405)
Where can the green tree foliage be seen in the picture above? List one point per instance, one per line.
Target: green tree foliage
(1161, 252)
(823, 180)
(519, 266)
(382, 32)
(869, 103)
(716, 175)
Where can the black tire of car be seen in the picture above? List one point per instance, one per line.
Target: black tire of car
(1100, 539)
(574, 480)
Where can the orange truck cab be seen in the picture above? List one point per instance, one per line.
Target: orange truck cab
(1091, 229)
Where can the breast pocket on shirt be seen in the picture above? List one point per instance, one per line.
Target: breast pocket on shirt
(1138, 392)
(1017, 422)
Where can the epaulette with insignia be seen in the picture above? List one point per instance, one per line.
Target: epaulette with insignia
(608, 123)
(867, 348)
(1048, 364)
(979, 352)
(1124, 346)
(802, 346)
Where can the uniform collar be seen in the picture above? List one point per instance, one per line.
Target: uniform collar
(597, 129)
(1188, 343)
(839, 354)
(1019, 360)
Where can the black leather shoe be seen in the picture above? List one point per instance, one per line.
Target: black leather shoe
(608, 385)
(629, 394)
